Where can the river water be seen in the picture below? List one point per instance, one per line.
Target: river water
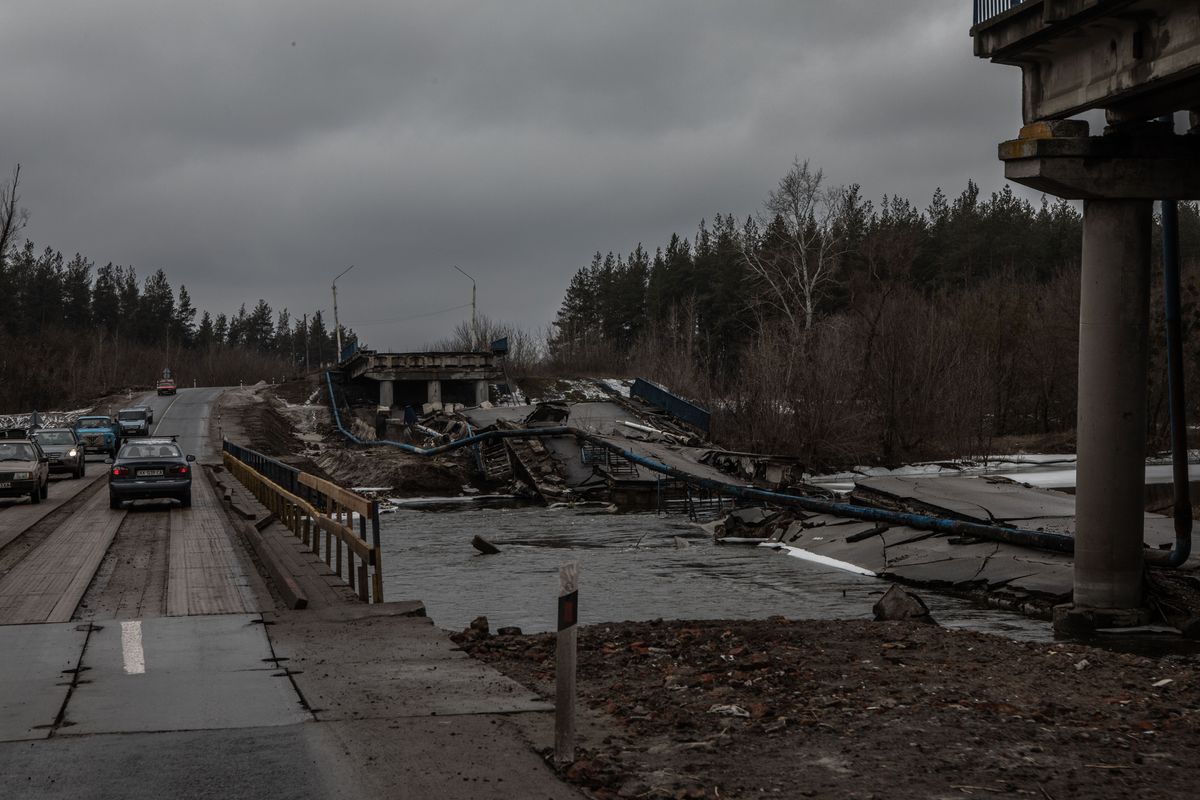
(630, 569)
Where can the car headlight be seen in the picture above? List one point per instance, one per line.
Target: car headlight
(20, 476)
(73, 453)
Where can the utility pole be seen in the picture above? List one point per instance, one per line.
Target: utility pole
(474, 327)
(306, 344)
(337, 328)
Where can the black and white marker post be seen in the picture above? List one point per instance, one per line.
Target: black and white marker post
(564, 700)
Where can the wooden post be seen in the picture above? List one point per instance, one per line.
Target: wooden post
(564, 668)
(362, 582)
(376, 555)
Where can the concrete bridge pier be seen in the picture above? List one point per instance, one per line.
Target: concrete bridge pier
(1114, 321)
(387, 395)
(1118, 176)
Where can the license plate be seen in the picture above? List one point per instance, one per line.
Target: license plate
(5, 485)
(150, 473)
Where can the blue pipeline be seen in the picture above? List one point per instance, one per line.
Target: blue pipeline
(1017, 536)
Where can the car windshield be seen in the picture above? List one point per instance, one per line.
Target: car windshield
(131, 414)
(16, 451)
(55, 437)
(150, 451)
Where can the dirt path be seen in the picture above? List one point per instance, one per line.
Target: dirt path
(852, 709)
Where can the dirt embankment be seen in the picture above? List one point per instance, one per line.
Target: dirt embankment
(852, 709)
(291, 421)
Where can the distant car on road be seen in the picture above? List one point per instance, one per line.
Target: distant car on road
(24, 468)
(166, 386)
(133, 422)
(98, 434)
(154, 467)
(62, 447)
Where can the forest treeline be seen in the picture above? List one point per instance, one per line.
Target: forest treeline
(848, 331)
(71, 331)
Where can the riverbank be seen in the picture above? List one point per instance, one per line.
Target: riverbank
(858, 709)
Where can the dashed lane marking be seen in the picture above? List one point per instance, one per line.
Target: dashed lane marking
(131, 647)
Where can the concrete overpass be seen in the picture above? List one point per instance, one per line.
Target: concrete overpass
(400, 379)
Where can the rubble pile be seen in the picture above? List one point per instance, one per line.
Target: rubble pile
(856, 708)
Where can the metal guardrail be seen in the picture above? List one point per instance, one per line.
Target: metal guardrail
(308, 505)
(986, 9)
(348, 352)
(673, 404)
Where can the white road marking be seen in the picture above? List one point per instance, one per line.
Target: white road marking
(131, 647)
(163, 415)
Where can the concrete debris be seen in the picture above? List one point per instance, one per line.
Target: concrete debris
(484, 546)
(1081, 665)
(548, 415)
(899, 605)
(681, 543)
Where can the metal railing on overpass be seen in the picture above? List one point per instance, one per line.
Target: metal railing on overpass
(986, 9)
(309, 507)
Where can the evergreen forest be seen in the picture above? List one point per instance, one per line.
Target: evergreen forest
(849, 331)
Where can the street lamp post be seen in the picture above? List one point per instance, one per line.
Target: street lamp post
(474, 327)
(337, 328)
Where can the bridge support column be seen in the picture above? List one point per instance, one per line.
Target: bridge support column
(1114, 321)
(434, 395)
(1118, 176)
(481, 392)
(386, 394)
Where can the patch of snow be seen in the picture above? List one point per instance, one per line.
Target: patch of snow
(619, 385)
(49, 419)
(816, 558)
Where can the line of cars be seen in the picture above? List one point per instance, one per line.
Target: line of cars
(141, 466)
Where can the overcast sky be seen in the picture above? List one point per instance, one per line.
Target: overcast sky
(256, 149)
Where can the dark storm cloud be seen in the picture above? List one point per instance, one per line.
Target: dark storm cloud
(256, 149)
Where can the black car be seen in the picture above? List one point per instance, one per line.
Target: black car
(150, 468)
(64, 450)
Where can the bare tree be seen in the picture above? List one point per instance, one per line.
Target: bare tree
(798, 255)
(12, 216)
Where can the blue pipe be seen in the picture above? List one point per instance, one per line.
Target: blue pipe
(1027, 538)
(1175, 388)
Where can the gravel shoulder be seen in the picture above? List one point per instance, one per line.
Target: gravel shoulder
(859, 709)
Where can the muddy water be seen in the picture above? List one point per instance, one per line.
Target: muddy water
(630, 569)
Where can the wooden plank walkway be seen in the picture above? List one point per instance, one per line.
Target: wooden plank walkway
(205, 574)
(16, 518)
(47, 584)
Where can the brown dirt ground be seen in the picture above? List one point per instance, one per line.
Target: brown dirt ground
(854, 709)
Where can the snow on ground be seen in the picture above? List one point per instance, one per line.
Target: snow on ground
(1045, 470)
(619, 385)
(49, 419)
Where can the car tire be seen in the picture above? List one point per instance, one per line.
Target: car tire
(79, 473)
(35, 496)
(45, 490)
(113, 502)
(185, 500)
